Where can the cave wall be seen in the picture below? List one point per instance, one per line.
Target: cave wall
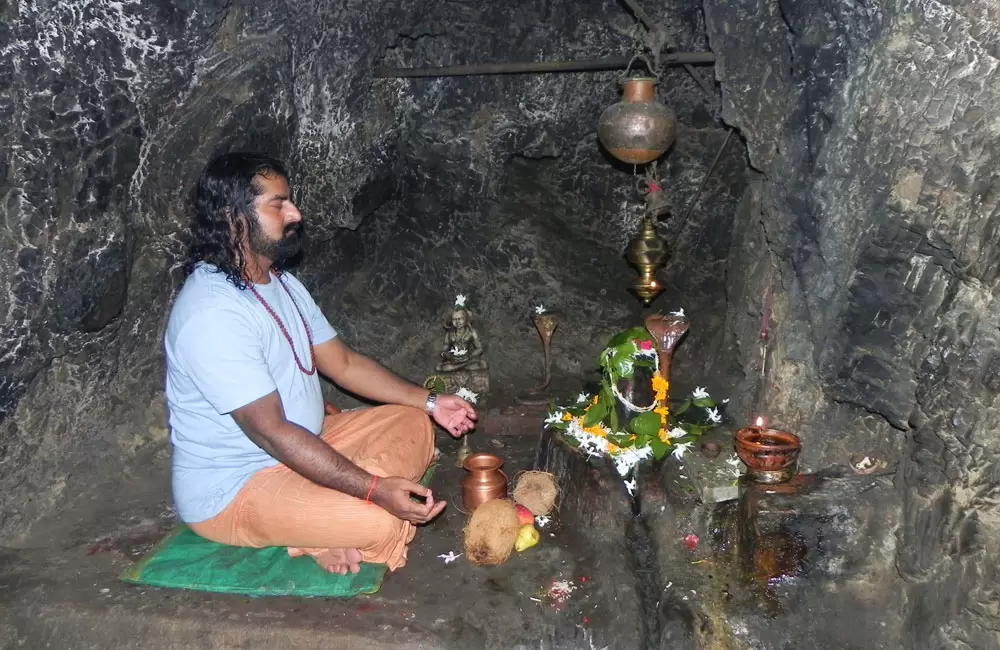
(115, 108)
(414, 191)
(501, 192)
(874, 222)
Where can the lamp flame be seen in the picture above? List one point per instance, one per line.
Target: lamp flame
(759, 423)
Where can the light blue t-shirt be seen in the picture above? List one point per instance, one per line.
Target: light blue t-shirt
(224, 350)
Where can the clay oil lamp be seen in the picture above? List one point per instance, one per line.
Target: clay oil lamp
(771, 456)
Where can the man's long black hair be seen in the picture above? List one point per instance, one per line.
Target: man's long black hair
(224, 213)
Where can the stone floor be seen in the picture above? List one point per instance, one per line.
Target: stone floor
(67, 595)
(699, 560)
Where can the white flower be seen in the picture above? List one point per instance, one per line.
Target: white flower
(449, 557)
(555, 417)
(713, 415)
(460, 300)
(467, 395)
(631, 487)
(680, 449)
(542, 521)
(734, 461)
(540, 309)
(627, 459)
(699, 393)
(582, 397)
(458, 352)
(679, 313)
(677, 432)
(725, 401)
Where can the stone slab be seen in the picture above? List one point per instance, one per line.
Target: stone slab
(714, 478)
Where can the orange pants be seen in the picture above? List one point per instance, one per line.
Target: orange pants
(279, 507)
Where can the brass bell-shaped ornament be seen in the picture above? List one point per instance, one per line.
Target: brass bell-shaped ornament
(648, 253)
(638, 129)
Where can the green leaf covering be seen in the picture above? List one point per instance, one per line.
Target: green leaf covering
(645, 424)
(659, 448)
(596, 413)
(676, 412)
(705, 402)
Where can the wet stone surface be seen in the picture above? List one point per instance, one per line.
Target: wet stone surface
(68, 596)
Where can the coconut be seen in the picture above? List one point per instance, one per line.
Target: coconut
(536, 491)
(491, 532)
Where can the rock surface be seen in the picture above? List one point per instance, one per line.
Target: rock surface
(414, 191)
(873, 224)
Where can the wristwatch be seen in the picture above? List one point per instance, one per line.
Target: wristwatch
(431, 402)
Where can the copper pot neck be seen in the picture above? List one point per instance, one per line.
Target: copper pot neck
(639, 89)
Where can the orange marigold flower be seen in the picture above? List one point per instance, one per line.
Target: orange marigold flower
(612, 448)
(567, 417)
(631, 438)
(663, 436)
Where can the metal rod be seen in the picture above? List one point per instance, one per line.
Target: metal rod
(641, 14)
(674, 58)
(697, 194)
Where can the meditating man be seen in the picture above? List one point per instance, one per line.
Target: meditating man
(255, 462)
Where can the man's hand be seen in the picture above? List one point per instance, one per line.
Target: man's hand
(393, 493)
(454, 414)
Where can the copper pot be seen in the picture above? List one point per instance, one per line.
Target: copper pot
(638, 129)
(771, 456)
(484, 482)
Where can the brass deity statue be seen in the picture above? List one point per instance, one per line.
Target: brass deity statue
(462, 348)
(462, 362)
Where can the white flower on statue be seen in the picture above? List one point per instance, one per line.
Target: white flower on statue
(540, 309)
(679, 313)
(631, 487)
(677, 432)
(734, 461)
(449, 557)
(554, 418)
(458, 352)
(680, 449)
(467, 395)
(725, 401)
(713, 415)
(699, 393)
(582, 398)
(460, 300)
(542, 521)
(626, 460)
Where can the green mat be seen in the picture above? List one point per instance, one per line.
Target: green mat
(184, 560)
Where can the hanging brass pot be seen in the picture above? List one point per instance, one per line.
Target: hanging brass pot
(638, 129)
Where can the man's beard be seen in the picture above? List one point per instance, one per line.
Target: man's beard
(283, 251)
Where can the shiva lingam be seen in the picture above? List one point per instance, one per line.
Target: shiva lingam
(546, 324)
(771, 456)
(485, 481)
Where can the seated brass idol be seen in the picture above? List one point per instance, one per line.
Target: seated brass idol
(462, 362)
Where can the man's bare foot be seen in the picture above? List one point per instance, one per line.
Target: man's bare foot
(334, 560)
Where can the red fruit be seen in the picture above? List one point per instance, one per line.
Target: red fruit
(691, 541)
(524, 515)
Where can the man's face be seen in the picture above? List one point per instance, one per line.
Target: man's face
(279, 235)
